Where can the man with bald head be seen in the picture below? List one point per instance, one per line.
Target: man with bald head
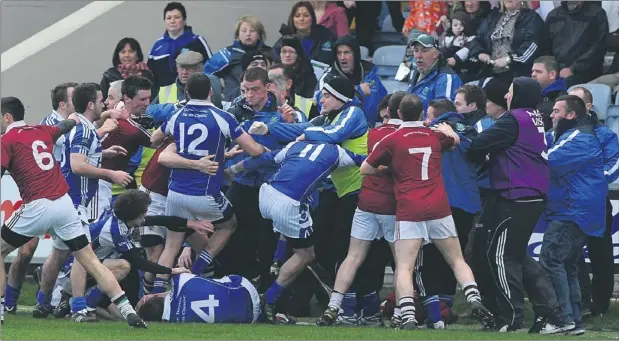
(596, 292)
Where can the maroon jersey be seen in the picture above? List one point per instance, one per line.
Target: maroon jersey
(376, 194)
(155, 177)
(413, 153)
(28, 153)
(128, 135)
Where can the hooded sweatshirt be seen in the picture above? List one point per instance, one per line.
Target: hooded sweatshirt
(549, 95)
(305, 80)
(363, 72)
(518, 165)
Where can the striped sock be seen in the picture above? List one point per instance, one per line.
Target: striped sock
(203, 261)
(148, 285)
(471, 292)
(123, 304)
(160, 285)
(407, 307)
(397, 311)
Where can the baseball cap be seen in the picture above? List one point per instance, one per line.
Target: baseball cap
(189, 58)
(425, 41)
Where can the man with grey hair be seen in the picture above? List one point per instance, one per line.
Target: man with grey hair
(114, 96)
(278, 86)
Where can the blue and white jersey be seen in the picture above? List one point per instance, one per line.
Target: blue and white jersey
(303, 164)
(82, 139)
(110, 236)
(231, 299)
(51, 120)
(200, 129)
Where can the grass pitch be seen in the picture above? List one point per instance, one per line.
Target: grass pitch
(23, 327)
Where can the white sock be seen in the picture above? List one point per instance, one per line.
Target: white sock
(335, 301)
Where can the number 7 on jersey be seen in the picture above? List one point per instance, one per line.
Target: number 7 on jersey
(425, 160)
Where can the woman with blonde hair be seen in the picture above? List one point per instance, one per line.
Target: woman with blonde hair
(249, 36)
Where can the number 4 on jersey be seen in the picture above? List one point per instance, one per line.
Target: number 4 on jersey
(211, 303)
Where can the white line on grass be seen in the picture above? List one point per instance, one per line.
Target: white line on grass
(55, 32)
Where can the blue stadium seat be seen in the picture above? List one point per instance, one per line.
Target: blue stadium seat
(381, 39)
(387, 60)
(365, 53)
(601, 97)
(393, 85)
(387, 25)
(612, 118)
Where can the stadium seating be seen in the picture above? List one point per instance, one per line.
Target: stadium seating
(601, 97)
(393, 85)
(381, 39)
(612, 118)
(365, 53)
(387, 60)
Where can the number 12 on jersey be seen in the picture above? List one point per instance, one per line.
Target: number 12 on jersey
(425, 160)
(196, 134)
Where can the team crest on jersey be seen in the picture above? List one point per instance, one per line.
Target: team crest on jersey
(326, 46)
(460, 127)
(425, 91)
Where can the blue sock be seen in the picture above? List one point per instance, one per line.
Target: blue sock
(43, 298)
(370, 304)
(160, 285)
(281, 252)
(93, 298)
(78, 304)
(349, 304)
(448, 299)
(433, 308)
(11, 296)
(274, 292)
(203, 261)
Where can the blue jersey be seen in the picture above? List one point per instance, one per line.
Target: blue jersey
(51, 120)
(110, 236)
(200, 129)
(82, 139)
(231, 299)
(303, 164)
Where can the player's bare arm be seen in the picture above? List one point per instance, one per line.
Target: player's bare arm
(249, 145)
(80, 166)
(157, 138)
(113, 152)
(171, 159)
(368, 170)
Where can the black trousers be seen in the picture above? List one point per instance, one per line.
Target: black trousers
(250, 251)
(433, 276)
(366, 14)
(509, 225)
(596, 292)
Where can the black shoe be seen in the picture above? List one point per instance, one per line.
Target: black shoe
(135, 321)
(10, 309)
(41, 311)
(481, 313)
(328, 317)
(63, 308)
(538, 325)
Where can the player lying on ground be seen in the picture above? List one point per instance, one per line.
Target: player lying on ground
(284, 199)
(47, 207)
(231, 299)
(112, 241)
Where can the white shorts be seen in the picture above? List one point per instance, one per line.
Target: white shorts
(290, 218)
(101, 200)
(370, 226)
(39, 217)
(157, 207)
(214, 209)
(427, 230)
(84, 214)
